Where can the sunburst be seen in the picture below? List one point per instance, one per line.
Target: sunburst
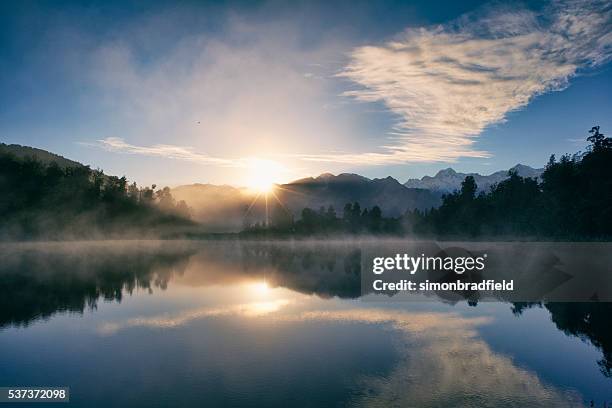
(262, 183)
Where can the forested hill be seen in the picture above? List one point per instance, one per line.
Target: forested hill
(45, 196)
(43, 156)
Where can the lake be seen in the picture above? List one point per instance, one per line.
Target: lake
(278, 324)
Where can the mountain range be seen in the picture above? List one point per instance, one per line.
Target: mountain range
(220, 207)
(223, 207)
(226, 208)
(448, 180)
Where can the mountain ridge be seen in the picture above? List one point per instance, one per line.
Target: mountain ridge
(233, 206)
(225, 207)
(448, 180)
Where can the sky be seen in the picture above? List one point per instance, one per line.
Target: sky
(243, 92)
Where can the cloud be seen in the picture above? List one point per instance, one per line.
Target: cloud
(447, 83)
(116, 144)
(250, 90)
(257, 169)
(187, 153)
(441, 358)
(443, 362)
(256, 91)
(253, 309)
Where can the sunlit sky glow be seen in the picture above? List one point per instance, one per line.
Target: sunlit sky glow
(269, 92)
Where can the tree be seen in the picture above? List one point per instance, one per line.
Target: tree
(355, 218)
(46, 200)
(309, 220)
(346, 213)
(468, 188)
(375, 219)
(281, 219)
(133, 192)
(572, 201)
(164, 199)
(183, 210)
(598, 140)
(330, 215)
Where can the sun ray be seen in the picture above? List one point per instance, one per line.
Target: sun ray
(262, 174)
(251, 205)
(284, 207)
(285, 188)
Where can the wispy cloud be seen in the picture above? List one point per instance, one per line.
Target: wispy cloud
(116, 144)
(253, 166)
(253, 309)
(447, 83)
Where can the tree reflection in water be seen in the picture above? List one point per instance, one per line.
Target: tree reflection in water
(38, 281)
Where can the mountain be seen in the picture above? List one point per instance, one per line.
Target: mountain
(219, 208)
(43, 156)
(223, 208)
(448, 180)
(390, 195)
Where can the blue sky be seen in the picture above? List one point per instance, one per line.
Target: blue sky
(181, 92)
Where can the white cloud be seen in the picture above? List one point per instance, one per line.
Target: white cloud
(117, 144)
(257, 171)
(256, 92)
(447, 83)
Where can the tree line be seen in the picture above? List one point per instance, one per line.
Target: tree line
(45, 200)
(325, 221)
(572, 200)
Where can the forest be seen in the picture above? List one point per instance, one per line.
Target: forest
(47, 201)
(572, 201)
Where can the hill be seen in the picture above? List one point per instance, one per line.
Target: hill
(43, 156)
(45, 196)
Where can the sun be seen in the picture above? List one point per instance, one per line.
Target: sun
(260, 288)
(262, 175)
(261, 184)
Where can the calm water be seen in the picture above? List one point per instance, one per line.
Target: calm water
(177, 324)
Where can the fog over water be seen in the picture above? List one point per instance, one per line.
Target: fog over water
(262, 323)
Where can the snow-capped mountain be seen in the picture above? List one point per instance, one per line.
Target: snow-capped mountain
(449, 180)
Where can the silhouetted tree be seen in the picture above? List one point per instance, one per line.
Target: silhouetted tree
(573, 201)
(468, 189)
(281, 219)
(598, 140)
(38, 199)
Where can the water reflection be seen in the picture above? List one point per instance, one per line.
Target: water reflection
(253, 309)
(444, 363)
(39, 280)
(587, 321)
(439, 357)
